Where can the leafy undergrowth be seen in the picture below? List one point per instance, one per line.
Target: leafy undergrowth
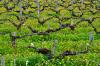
(74, 40)
(67, 40)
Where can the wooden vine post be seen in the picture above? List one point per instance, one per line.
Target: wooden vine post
(21, 8)
(54, 47)
(27, 62)
(91, 38)
(38, 6)
(2, 61)
(26, 5)
(13, 40)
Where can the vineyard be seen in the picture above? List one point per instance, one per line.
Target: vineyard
(50, 32)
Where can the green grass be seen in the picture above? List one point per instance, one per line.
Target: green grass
(67, 40)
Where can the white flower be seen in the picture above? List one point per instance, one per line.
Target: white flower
(32, 44)
(24, 24)
(87, 44)
(27, 63)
